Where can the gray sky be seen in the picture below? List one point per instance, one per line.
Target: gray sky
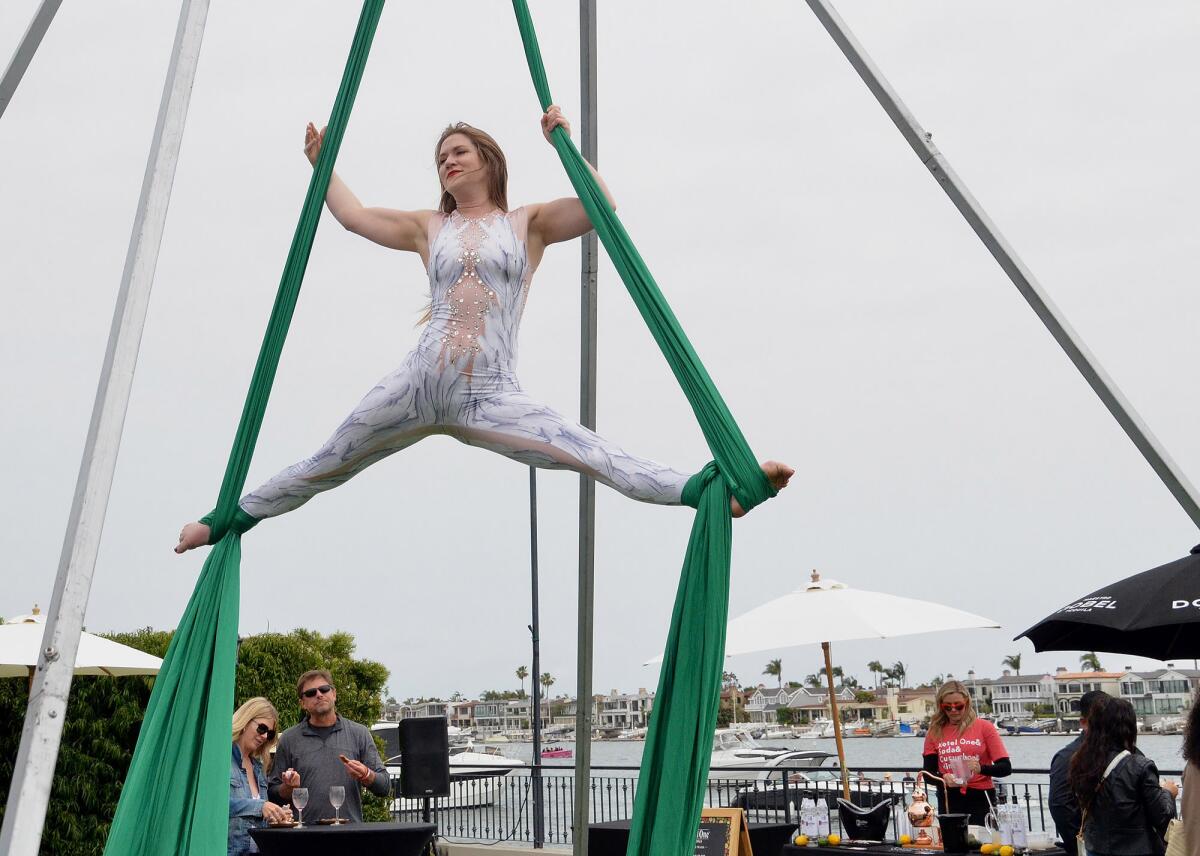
(945, 447)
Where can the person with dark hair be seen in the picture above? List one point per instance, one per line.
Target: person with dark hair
(1064, 808)
(965, 752)
(1124, 809)
(1191, 778)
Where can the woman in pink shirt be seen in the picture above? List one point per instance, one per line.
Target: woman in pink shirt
(966, 752)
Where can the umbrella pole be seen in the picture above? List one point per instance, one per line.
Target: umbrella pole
(837, 721)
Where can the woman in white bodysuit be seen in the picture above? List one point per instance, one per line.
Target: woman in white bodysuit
(460, 380)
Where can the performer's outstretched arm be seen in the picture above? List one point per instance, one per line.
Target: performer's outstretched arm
(388, 227)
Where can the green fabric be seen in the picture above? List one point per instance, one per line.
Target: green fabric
(679, 743)
(175, 799)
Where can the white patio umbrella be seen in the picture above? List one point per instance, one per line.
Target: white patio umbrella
(827, 611)
(21, 642)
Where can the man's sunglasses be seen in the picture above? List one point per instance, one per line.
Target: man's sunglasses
(324, 689)
(263, 728)
(956, 706)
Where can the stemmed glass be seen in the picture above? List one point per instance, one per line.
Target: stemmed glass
(300, 798)
(337, 796)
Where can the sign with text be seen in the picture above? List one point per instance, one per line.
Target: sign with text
(723, 832)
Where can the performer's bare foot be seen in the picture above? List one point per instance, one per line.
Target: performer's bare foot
(777, 474)
(193, 535)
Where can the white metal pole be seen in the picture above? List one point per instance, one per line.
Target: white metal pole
(25, 51)
(29, 791)
(922, 143)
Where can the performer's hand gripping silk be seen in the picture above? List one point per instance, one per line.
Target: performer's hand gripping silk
(461, 378)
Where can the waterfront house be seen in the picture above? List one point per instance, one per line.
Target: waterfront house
(1069, 687)
(624, 710)
(489, 716)
(1157, 693)
(1018, 696)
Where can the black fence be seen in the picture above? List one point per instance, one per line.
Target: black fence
(496, 808)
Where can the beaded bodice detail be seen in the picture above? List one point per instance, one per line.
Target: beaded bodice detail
(478, 279)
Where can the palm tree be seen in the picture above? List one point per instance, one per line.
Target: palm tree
(1013, 661)
(876, 669)
(775, 670)
(813, 680)
(522, 674)
(1091, 662)
(729, 679)
(546, 680)
(900, 672)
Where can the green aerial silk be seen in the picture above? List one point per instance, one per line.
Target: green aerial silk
(175, 799)
(679, 743)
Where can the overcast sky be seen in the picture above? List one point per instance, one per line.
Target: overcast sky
(945, 447)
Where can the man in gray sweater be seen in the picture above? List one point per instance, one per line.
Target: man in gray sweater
(323, 750)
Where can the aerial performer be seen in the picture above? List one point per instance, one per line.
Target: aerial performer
(460, 379)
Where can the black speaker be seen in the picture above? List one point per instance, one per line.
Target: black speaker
(424, 757)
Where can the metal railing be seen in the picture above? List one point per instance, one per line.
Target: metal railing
(500, 807)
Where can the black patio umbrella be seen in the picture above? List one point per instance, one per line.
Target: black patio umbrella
(1153, 614)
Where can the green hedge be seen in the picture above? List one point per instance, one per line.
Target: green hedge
(104, 715)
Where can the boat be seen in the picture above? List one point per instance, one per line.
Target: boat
(778, 733)
(734, 751)
(554, 751)
(475, 771)
(816, 729)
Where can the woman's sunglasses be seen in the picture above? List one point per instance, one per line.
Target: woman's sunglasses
(324, 689)
(263, 728)
(952, 705)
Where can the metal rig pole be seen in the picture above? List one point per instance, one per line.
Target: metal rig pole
(25, 51)
(539, 819)
(29, 791)
(587, 417)
(922, 143)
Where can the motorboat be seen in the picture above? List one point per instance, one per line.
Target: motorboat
(555, 751)
(734, 751)
(778, 733)
(816, 729)
(475, 771)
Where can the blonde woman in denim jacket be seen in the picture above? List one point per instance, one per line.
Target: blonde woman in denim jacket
(254, 736)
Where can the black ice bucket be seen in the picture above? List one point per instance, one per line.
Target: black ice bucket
(954, 832)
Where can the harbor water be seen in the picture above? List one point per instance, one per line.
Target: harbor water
(1027, 751)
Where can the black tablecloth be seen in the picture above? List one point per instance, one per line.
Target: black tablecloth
(612, 838)
(392, 839)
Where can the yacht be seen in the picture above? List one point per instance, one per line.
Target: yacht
(816, 729)
(476, 772)
(734, 751)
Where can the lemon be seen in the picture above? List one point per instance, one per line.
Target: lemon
(835, 840)
(987, 849)
(1006, 850)
(906, 839)
(800, 840)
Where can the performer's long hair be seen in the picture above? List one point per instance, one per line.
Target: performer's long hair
(491, 154)
(941, 719)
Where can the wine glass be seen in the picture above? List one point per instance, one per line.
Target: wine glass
(337, 796)
(300, 798)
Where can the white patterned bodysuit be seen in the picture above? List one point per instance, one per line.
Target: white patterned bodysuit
(460, 380)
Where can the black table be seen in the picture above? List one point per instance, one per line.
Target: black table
(885, 850)
(392, 839)
(612, 838)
